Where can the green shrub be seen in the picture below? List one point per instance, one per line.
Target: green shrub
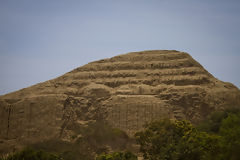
(100, 134)
(226, 125)
(176, 140)
(230, 133)
(96, 138)
(117, 156)
(30, 154)
(213, 122)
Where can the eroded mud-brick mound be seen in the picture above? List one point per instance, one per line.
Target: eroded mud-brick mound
(126, 91)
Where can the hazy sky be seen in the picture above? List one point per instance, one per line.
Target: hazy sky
(43, 39)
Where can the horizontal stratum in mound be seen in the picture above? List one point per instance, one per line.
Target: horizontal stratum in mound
(126, 91)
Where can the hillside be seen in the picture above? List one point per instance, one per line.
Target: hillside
(125, 91)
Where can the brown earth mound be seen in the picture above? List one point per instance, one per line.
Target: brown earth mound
(126, 91)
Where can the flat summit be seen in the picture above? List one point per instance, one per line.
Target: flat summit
(125, 91)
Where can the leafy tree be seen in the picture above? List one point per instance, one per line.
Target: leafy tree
(230, 133)
(101, 134)
(87, 141)
(30, 154)
(213, 122)
(176, 140)
(117, 156)
(226, 125)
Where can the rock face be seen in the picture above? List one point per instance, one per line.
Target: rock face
(126, 91)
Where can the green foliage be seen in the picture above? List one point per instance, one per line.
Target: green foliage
(218, 138)
(30, 154)
(230, 129)
(213, 122)
(176, 140)
(230, 133)
(117, 156)
(100, 134)
(226, 125)
(96, 138)
(80, 150)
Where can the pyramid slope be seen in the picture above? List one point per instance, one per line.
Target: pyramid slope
(126, 91)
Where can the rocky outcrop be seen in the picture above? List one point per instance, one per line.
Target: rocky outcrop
(126, 91)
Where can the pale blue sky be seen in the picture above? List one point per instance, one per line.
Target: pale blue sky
(43, 39)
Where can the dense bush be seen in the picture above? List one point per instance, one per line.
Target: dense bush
(217, 138)
(225, 124)
(176, 140)
(117, 156)
(100, 134)
(230, 133)
(96, 138)
(213, 122)
(30, 154)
